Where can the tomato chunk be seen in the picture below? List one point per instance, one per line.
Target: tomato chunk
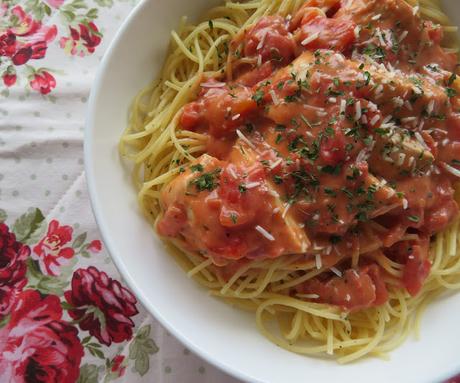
(271, 39)
(357, 289)
(332, 33)
(172, 222)
(333, 147)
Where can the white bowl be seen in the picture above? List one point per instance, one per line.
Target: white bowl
(219, 333)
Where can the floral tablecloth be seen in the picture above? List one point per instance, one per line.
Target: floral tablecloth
(65, 313)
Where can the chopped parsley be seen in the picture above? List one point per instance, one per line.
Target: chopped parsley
(413, 218)
(258, 96)
(207, 181)
(197, 168)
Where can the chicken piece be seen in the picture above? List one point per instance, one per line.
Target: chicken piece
(228, 211)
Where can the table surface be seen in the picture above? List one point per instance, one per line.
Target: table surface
(65, 313)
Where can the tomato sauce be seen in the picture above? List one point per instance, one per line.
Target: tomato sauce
(335, 130)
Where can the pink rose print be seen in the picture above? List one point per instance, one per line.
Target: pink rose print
(37, 345)
(43, 82)
(101, 306)
(55, 3)
(83, 41)
(12, 268)
(51, 251)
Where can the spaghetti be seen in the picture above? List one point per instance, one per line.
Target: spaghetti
(321, 280)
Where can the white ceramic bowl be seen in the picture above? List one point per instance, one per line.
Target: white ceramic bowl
(219, 333)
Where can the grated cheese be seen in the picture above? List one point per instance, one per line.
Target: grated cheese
(244, 138)
(336, 271)
(252, 185)
(358, 111)
(265, 233)
(310, 38)
(318, 261)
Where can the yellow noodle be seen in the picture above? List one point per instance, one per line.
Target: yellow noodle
(159, 149)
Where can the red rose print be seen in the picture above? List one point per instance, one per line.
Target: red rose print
(81, 42)
(101, 305)
(7, 44)
(117, 368)
(95, 246)
(22, 56)
(51, 252)
(9, 79)
(12, 268)
(12, 257)
(36, 345)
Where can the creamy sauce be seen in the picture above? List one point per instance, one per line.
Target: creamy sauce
(333, 134)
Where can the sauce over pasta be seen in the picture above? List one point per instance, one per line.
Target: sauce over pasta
(334, 135)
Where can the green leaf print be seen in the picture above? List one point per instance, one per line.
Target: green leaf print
(26, 224)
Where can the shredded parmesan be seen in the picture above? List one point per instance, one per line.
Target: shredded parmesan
(318, 261)
(232, 172)
(336, 271)
(274, 96)
(376, 17)
(310, 38)
(375, 119)
(358, 111)
(415, 10)
(343, 105)
(357, 31)
(252, 185)
(262, 41)
(403, 36)
(286, 208)
(430, 107)
(273, 193)
(244, 138)
(405, 203)
(236, 117)
(276, 163)
(265, 233)
(452, 170)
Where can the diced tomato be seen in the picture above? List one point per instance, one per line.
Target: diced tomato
(270, 38)
(172, 222)
(313, 8)
(439, 218)
(354, 291)
(238, 208)
(414, 255)
(435, 32)
(191, 116)
(332, 33)
(415, 272)
(333, 148)
(221, 110)
(256, 75)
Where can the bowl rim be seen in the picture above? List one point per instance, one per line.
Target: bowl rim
(89, 168)
(88, 145)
